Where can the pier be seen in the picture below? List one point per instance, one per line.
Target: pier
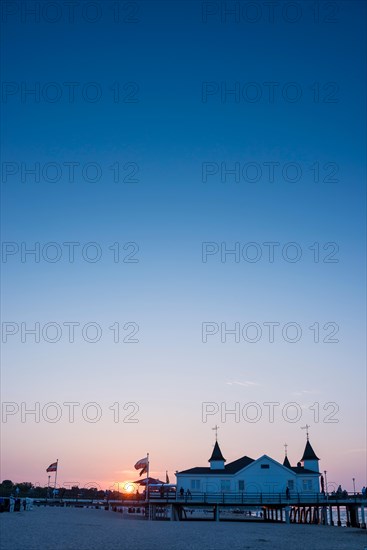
(274, 507)
(271, 507)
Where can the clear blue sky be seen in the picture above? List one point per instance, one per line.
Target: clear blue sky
(168, 133)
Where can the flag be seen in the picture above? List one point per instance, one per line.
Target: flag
(167, 478)
(142, 465)
(143, 471)
(52, 467)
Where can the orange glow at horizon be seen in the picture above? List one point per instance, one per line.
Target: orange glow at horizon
(128, 487)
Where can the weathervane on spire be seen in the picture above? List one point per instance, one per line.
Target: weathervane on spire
(306, 428)
(216, 428)
(285, 448)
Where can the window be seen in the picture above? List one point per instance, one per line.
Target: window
(195, 484)
(241, 485)
(225, 485)
(291, 484)
(265, 466)
(307, 484)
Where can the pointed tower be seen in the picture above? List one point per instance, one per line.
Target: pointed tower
(309, 460)
(286, 462)
(217, 460)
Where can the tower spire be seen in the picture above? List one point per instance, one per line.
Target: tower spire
(309, 459)
(286, 462)
(307, 432)
(217, 460)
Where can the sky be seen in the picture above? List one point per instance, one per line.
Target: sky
(180, 171)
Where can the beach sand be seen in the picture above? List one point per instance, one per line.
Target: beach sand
(91, 529)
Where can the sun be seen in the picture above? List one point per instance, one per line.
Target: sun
(128, 487)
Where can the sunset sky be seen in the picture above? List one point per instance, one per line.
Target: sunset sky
(164, 108)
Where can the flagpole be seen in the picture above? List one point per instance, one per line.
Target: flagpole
(57, 466)
(147, 487)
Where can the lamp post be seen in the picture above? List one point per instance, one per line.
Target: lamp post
(325, 472)
(48, 487)
(327, 503)
(354, 485)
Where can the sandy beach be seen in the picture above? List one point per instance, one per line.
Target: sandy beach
(90, 529)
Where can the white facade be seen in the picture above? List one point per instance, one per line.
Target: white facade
(264, 475)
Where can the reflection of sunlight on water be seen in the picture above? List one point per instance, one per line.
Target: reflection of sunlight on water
(235, 514)
(343, 516)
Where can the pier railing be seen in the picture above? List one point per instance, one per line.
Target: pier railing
(226, 498)
(254, 499)
(258, 499)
